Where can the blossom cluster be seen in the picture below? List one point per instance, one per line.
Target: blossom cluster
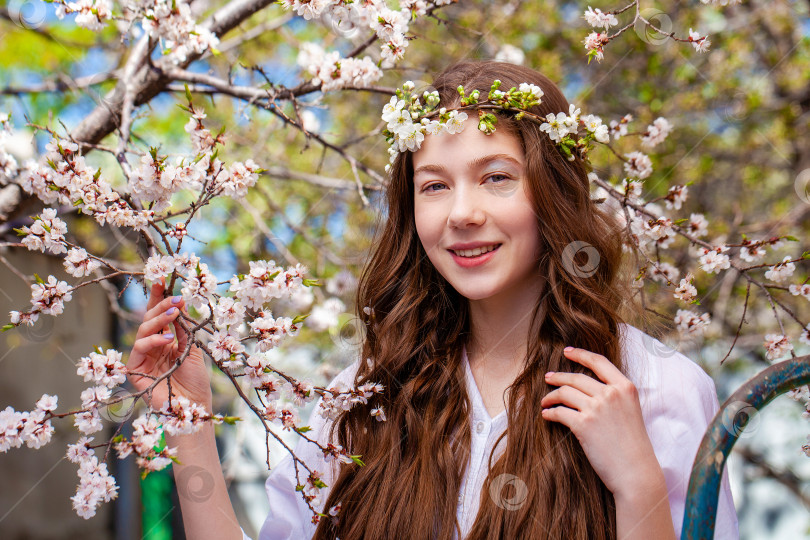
(144, 442)
(32, 428)
(88, 421)
(47, 233)
(8, 165)
(64, 178)
(331, 72)
(96, 485)
(170, 21)
(342, 398)
(155, 180)
(266, 281)
(103, 368)
(90, 14)
(595, 41)
(182, 417)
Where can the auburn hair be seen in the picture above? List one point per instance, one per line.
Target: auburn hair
(414, 334)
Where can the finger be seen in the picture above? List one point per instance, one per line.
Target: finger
(582, 382)
(147, 344)
(182, 337)
(163, 305)
(568, 396)
(158, 323)
(563, 415)
(601, 366)
(155, 295)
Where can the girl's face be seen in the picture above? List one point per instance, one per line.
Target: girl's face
(473, 214)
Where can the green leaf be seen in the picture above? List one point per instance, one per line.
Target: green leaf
(8, 326)
(118, 438)
(188, 92)
(311, 283)
(319, 483)
(39, 279)
(303, 429)
(357, 460)
(231, 420)
(299, 318)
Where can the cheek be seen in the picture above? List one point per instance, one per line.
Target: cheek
(428, 228)
(523, 225)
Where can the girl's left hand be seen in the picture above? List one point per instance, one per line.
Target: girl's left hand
(606, 419)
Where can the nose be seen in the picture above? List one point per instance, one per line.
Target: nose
(467, 210)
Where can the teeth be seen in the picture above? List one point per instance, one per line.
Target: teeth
(475, 252)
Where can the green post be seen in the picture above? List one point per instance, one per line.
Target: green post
(156, 502)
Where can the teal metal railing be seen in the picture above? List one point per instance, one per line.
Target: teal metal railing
(723, 431)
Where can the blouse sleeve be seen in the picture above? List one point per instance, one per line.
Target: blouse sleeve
(678, 401)
(290, 518)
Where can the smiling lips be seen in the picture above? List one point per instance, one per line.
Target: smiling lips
(474, 256)
(475, 251)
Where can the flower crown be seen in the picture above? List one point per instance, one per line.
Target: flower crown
(409, 120)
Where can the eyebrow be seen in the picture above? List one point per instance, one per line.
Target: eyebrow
(474, 164)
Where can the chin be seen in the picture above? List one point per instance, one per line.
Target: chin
(474, 293)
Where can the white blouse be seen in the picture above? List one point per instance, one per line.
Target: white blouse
(678, 400)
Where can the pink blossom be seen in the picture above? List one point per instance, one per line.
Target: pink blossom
(689, 322)
(49, 297)
(777, 346)
(781, 271)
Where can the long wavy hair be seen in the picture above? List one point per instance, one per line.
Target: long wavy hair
(415, 460)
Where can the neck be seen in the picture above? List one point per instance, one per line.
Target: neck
(500, 327)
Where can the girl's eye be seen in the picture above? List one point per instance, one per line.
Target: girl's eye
(496, 176)
(431, 186)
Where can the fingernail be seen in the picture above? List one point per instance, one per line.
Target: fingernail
(171, 311)
(168, 336)
(568, 349)
(549, 374)
(176, 299)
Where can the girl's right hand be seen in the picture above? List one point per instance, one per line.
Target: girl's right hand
(156, 348)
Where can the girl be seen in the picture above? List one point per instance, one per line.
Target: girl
(517, 401)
